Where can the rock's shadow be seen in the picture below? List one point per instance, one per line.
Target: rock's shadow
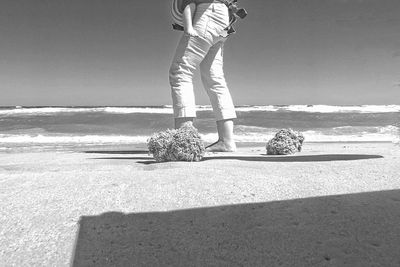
(343, 230)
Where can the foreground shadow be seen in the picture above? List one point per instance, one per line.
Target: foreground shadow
(346, 230)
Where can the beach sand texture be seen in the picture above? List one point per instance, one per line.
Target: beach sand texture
(333, 204)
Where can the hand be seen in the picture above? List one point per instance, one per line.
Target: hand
(191, 32)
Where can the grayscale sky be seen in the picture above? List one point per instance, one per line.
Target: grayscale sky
(118, 52)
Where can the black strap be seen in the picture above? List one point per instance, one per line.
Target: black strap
(177, 27)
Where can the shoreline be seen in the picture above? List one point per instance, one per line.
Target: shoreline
(17, 148)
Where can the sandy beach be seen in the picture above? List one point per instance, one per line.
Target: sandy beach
(333, 204)
(85, 85)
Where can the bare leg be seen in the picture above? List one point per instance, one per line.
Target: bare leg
(226, 142)
(179, 122)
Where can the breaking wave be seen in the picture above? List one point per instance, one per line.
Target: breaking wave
(166, 109)
(65, 139)
(325, 108)
(58, 110)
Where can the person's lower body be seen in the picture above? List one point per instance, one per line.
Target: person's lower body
(205, 51)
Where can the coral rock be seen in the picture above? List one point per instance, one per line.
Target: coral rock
(184, 144)
(285, 142)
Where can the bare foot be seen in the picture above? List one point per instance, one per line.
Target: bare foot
(221, 146)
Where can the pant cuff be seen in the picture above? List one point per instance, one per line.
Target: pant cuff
(225, 114)
(184, 112)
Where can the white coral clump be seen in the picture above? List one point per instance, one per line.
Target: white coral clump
(183, 144)
(285, 142)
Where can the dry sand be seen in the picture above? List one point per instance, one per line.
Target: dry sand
(333, 204)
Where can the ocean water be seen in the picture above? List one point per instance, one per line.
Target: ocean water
(66, 127)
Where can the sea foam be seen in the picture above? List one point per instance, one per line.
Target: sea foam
(59, 110)
(325, 108)
(70, 139)
(26, 111)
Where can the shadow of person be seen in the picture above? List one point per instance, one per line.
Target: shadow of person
(342, 230)
(121, 152)
(303, 158)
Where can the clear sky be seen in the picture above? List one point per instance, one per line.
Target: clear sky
(118, 52)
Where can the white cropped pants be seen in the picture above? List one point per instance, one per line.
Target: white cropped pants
(205, 51)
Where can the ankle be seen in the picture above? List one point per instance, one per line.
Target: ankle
(226, 140)
(179, 122)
